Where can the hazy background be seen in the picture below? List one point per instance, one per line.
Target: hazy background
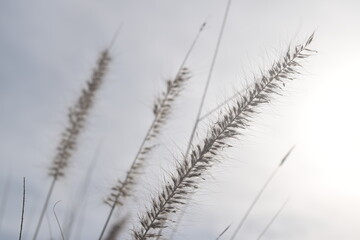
(47, 51)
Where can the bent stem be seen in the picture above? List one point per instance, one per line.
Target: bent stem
(57, 220)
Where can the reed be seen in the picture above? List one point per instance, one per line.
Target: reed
(203, 156)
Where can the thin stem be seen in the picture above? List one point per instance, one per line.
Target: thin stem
(202, 27)
(49, 227)
(77, 208)
(22, 210)
(272, 220)
(181, 66)
(219, 106)
(44, 208)
(212, 66)
(107, 220)
(252, 205)
(127, 175)
(223, 232)
(57, 220)
(198, 116)
(132, 167)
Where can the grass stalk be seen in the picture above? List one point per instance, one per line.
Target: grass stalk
(77, 207)
(44, 208)
(259, 194)
(273, 219)
(57, 220)
(223, 232)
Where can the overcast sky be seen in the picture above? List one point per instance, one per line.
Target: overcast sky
(47, 51)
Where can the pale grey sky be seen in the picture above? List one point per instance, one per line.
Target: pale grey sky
(48, 49)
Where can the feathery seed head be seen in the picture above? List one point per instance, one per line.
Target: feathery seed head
(202, 157)
(77, 118)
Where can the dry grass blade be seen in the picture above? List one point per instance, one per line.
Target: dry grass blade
(256, 199)
(202, 157)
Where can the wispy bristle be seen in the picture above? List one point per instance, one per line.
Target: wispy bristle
(77, 117)
(190, 172)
